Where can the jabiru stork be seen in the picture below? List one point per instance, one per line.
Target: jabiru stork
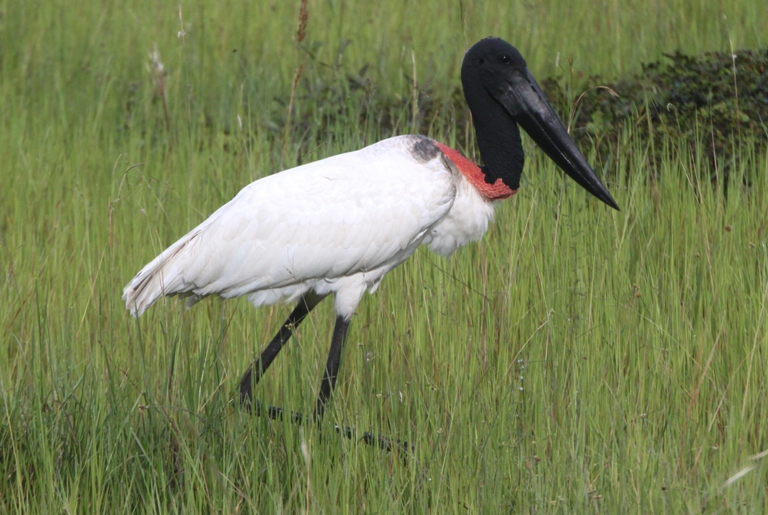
(338, 225)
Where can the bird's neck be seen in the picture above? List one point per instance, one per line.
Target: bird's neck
(477, 176)
(498, 139)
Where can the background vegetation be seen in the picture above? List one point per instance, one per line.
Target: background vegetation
(577, 359)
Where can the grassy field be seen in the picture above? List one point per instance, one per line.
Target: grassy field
(576, 360)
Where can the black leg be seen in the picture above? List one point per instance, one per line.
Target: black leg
(261, 364)
(332, 366)
(326, 388)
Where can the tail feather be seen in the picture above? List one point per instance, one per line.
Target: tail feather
(160, 277)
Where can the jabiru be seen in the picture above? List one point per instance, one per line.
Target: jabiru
(338, 225)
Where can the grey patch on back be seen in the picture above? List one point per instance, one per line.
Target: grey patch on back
(423, 149)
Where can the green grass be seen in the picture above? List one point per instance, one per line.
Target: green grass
(577, 359)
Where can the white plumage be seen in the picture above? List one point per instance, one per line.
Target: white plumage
(333, 226)
(340, 224)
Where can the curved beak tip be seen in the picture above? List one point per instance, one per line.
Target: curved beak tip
(612, 203)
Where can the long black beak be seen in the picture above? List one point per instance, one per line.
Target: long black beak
(527, 104)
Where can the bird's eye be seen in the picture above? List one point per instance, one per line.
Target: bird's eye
(481, 61)
(504, 59)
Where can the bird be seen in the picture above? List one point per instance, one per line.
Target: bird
(337, 226)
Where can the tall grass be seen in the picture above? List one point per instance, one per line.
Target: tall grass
(576, 359)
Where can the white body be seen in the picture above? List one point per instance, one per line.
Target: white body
(333, 226)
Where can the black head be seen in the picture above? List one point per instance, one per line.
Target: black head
(489, 62)
(502, 94)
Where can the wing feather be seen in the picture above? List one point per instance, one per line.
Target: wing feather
(352, 213)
